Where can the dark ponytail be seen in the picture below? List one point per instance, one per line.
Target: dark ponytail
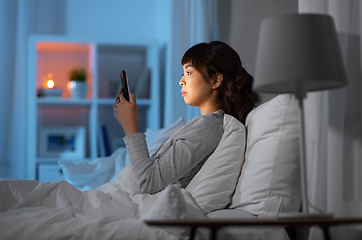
(236, 96)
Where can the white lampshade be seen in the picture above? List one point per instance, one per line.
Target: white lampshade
(298, 51)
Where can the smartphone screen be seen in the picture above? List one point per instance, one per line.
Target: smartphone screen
(124, 82)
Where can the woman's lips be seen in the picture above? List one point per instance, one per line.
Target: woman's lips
(183, 93)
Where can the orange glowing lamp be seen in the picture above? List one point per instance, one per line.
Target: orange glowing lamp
(49, 89)
(50, 82)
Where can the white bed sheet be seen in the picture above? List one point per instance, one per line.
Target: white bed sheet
(58, 210)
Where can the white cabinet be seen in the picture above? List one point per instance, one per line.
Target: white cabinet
(103, 61)
(49, 172)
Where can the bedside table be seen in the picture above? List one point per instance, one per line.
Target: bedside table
(215, 224)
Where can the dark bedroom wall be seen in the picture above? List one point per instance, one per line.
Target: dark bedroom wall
(239, 23)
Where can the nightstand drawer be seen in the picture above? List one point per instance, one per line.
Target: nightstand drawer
(49, 172)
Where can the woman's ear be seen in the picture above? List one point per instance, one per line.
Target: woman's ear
(217, 80)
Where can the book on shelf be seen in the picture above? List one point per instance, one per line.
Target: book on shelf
(104, 147)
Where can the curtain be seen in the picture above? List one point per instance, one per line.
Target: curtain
(334, 121)
(192, 23)
(24, 24)
(7, 48)
(20, 19)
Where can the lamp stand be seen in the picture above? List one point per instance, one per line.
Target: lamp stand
(300, 95)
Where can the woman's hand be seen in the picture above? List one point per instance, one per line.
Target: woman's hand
(126, 112)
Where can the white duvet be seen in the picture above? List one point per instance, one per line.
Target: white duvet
(57, 210)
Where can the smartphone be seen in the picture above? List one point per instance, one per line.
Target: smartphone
(124, 82)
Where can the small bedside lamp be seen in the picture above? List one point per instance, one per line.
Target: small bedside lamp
(50, 90)
(50, 83)
(299, 53)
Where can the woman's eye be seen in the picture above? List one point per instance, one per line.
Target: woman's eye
(187, 73)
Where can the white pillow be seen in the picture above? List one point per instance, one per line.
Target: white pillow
(87, 175)
(269, 181)
(213, 186)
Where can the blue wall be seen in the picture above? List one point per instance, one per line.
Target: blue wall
(114, 19)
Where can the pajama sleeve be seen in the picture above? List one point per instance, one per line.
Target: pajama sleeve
(179, 158)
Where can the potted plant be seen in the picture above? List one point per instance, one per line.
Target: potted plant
(78, 74)
(78, 85)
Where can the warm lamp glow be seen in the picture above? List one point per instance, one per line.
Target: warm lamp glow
(50, 83)
(49, 89)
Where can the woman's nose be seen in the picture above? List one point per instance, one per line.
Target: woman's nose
(181, 82)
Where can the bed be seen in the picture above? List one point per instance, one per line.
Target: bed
(101, 200)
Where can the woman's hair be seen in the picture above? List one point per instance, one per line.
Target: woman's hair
(236, 96)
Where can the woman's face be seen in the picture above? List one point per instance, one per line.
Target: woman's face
(195, 90)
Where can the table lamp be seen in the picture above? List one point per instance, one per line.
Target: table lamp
(298, 53)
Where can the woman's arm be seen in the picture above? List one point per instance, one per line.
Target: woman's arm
(180, 157)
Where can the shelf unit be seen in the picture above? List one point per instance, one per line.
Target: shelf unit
(103, 61)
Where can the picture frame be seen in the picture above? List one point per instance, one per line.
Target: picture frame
(62, 142)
